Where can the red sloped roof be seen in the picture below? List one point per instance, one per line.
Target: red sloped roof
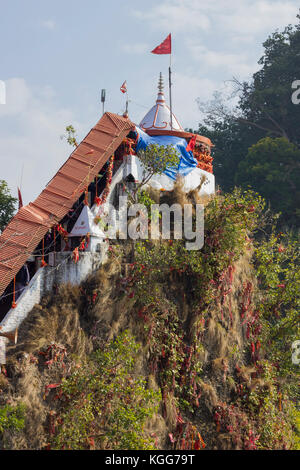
(31, 223)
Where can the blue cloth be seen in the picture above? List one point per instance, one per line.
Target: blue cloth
(187, 161)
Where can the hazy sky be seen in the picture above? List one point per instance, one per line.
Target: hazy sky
(57, 56)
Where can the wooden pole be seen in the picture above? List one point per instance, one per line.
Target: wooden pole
(126, 110)
(170, 94)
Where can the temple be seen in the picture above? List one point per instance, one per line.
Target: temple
(57, 237)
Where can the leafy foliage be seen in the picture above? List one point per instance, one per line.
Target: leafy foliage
(272, 167)
(277, 263)
(266, 101)
(231, 141)
(12, 418)
(204, 279)
(7, 205)
(71, 136)
(156, 158)
(105, 405)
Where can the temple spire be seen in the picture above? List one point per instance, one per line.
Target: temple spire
(159, 117)
(160, 96)
(160, 83)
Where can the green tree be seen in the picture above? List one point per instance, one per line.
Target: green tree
(231, 141)
(265, 109)
(155, 159)
(266, 102)
(7, 205)
(272, 167)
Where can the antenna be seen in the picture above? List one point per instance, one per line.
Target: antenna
(103, 92)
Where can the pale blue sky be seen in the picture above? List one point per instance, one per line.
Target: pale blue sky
(56, 56)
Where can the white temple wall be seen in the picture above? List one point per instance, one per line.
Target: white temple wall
(132, 165)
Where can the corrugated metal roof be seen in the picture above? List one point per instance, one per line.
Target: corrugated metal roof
(31, 223)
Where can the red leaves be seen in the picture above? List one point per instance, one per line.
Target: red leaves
(247, 298)
(141, 312)
(52, 422)
(55, 354)
(197, 444)
(236, 422)
(91, 443)
(250, 443)
(49, 387)
(201, 441)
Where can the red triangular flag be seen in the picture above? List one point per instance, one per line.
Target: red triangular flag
(164, 47)
(191, 145)
(20, 198)
(123, 87)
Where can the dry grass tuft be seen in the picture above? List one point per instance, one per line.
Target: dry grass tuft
(54, 322)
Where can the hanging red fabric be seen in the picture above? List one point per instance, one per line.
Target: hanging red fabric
(54, 243)
(43, 263)
(97, 199)
(54, 239)
(86, 198)
(13, 305)
(76, 255)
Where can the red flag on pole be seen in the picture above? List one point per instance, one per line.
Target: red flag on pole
(164, 47)
(123, 87)
(20, 198)
(191, 145)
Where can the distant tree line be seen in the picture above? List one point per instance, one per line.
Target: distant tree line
(257, 143)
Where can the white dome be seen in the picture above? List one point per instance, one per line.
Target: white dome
(159, 116)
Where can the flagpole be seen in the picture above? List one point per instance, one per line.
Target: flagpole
(170, 93)
(126, 110)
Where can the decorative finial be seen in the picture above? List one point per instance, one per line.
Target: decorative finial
(160, 83)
